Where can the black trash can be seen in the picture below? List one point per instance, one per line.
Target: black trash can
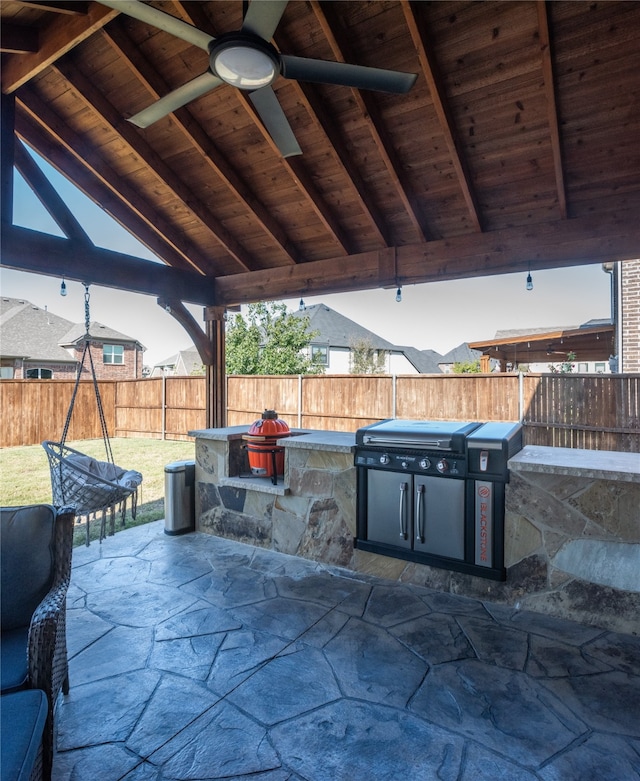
(179, 500)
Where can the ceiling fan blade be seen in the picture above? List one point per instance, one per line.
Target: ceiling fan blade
(170, 24)
(345, 75)
(274, 119)
(263, 17)
(174, 100)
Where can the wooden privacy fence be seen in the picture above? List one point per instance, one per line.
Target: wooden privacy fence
(588, 411)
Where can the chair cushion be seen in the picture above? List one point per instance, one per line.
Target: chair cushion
(23, 718)
(13, 659)
(26, 565)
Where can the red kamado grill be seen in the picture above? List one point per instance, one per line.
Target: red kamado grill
(266, 457)
(433, 492)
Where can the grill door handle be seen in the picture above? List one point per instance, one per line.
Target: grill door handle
(402, 512)
(419, 514)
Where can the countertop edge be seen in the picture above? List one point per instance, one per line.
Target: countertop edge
(594, 464)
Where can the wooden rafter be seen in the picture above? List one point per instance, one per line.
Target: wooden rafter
(550, 92)
(199, 140)
(96, 102)
(370, 112)
(441, 108)
(308, 97)
(57, 39)
(48, 196)
(35, 123)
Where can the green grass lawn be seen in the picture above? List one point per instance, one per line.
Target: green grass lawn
(24, 474)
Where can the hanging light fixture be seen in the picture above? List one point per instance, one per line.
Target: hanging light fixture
(63, 288)
(302, 306)
(399, 294)
(529, 279)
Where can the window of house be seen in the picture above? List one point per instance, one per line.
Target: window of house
(6, 372)
(583, 367)
(320, 355)
(601, 368)
(39, 374)
(113, 353)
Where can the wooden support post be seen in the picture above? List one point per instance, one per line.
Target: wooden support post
(216, 377)
(7, 147)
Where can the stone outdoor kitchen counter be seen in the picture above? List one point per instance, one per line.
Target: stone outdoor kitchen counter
(572, 522)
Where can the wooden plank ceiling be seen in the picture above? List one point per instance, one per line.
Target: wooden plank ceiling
(517, 148)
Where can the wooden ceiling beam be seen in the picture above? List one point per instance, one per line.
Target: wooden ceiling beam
(41, 129)
(199, 140)
(40, 253)
(371, 114)
(48, 196)
(57, 39)
(573, 242)
(550, 92)
(132, 137)
(431, 74)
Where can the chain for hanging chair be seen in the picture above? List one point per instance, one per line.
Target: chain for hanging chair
(87, 353)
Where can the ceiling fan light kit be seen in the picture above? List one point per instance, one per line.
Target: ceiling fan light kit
(244, 61)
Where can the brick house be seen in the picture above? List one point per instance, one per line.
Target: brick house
(37, 344)
(628, 295)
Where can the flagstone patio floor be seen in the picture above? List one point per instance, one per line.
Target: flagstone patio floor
(195, 657)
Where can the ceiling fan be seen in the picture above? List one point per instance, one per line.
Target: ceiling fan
(247, 60)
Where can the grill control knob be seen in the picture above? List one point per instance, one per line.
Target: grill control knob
(384, 459)
(442, 466)
(425, 463)
(405, 464)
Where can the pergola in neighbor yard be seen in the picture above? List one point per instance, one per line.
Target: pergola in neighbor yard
(516, 149)
(589, 343)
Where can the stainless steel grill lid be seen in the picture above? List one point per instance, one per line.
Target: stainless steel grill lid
(446, 435)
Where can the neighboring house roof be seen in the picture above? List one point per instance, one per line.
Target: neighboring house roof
(424, 361)
(97, 331)
(37, 334)
(183, 362)
(460, 354)
(336, 330)
(31, 332)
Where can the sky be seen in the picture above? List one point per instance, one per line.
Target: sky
(436, 316)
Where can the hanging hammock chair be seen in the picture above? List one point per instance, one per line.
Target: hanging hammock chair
(93, 487)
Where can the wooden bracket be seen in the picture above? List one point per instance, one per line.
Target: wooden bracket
(178, 310)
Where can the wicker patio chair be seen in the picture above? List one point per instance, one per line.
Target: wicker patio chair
(35, 569)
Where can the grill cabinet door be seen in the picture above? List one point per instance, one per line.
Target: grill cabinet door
(439, 516)
(389, 508)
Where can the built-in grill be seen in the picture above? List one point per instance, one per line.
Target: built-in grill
(433, 492)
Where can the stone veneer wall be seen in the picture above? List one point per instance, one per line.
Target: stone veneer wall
(572, 542)
(315, 519)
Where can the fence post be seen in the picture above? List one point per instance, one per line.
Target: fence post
(299, 401)
(394, 396)
(520, 396)
(164, 406)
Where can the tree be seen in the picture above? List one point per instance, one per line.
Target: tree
(467, 367)
(566, 367)
(364, 359)
(269, 340)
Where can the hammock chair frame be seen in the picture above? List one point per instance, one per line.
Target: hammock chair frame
(102, 489)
